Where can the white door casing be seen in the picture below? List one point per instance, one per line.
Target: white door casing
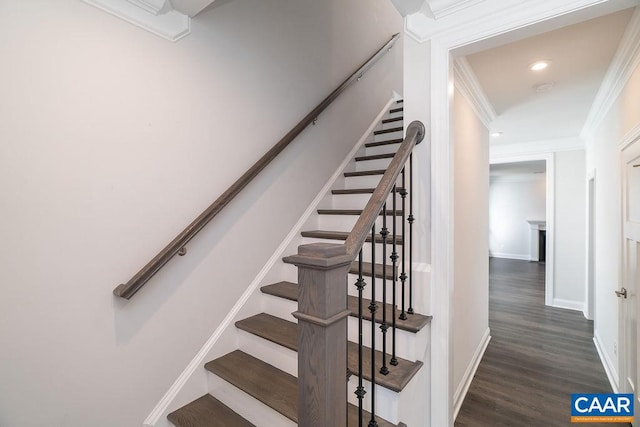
(628, 301)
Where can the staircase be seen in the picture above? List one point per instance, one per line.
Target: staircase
(271, 338)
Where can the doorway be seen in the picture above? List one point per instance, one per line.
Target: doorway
(535, 224)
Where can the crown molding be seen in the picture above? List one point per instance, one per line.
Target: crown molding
(155, 16)
(191, 7)
(498, 151)
(494, 17)
(624, 63)
(630, 137)
(467, 82)
(154, 7)
(442, 8)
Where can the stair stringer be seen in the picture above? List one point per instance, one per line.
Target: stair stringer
(194, 379)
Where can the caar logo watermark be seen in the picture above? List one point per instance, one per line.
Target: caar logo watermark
(602, 408)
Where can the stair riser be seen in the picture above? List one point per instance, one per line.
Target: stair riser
(267, 351)
(380, 149)
(378, 164)
(351, 201)
(389, 135)
(387, 401)
(368, 181)
(391, 125)
(245, 405)
(406, 342)
(282, 271)
(346, 223)
(280, 307)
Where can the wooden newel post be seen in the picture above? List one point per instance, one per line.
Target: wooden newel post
(322, 334)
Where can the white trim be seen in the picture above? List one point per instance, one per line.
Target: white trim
(525, 257)
(152, 6)
(453, 7)
(629, 138)
(568, 304)
(590, 247)
(624, 63)
(442, 237)
(608, 366)
(469, 86)
(197, 362)
(498, 17)
(170, 24)
(465, 383)
(537, 147)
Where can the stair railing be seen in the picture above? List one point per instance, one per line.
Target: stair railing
(322, 313)
(177, 245)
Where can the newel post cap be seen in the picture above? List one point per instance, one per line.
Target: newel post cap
(320, 256)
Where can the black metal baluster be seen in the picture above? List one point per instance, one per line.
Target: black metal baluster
(372, 309)
(403, 274)
(384, 232)
(360, 391)
(410, 219)
(394, 260)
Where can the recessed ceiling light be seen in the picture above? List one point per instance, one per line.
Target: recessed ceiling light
(539, 65)
(496, 134)
(544, 87)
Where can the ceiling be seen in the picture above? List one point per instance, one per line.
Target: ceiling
(579, 56)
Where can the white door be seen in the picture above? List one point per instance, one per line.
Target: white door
(630, 273)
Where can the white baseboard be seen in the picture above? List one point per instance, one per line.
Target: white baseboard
(568, 304)
(465, 383)
(522, 257)
(609, 368)
(162, 406)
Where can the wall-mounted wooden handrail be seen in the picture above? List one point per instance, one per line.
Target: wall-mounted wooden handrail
(362, 228)
(128, 289)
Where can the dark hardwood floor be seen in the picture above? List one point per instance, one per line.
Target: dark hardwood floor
(536, 358)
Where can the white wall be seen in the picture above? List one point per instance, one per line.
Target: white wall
(570, 225)
(514, 199)
(471, 231)
(113, 140)
(603, 159)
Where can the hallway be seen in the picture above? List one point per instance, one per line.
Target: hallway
(536, 358)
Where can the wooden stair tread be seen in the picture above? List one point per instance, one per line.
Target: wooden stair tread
(352, 212)
(268, 384)
(390, 130)
(396, 110)
(393, 119)
(342, 235)
(414, 322)
(285, 333)
(375, 157)
(387, 142)
(207, 411)
(365, 173)
(260, 380)
(356, 191)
